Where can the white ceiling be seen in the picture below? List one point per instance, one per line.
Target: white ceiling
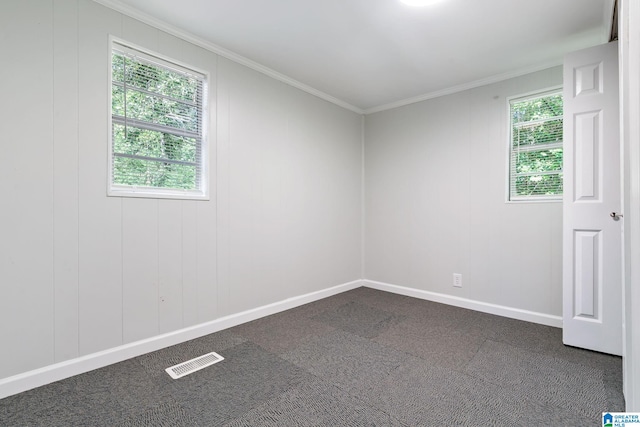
(376, 53)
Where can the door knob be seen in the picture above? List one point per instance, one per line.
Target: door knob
(615, 216)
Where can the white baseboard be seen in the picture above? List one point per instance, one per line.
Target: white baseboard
(59, 371)
(500, 310)
(56, 372)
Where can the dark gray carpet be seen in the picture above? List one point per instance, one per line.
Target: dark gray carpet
(361, 358)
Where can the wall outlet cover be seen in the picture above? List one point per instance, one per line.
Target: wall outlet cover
(457, 280)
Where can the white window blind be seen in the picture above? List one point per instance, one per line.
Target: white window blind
(535, 161)
(157, 132)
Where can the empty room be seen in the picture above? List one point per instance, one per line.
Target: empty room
(319, 213)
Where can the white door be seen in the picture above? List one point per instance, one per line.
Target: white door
(592, 228)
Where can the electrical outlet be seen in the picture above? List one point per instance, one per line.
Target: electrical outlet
(457, 280)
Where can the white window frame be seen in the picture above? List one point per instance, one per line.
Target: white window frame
(523, 97)
(118, 190)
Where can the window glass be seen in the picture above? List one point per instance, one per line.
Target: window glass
(535, 161)
(157, 132)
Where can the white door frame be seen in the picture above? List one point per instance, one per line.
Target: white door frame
(629, 46)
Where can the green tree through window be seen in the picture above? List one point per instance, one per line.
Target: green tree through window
(156, 123)
(536, 147)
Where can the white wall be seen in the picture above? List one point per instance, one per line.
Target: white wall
(81, 272)
(289, 204)
(435, 176)
(290, 187)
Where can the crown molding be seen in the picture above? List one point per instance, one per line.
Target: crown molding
(219, 50)
(465, 86)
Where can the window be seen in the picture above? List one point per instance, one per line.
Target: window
(535, 160)
(158, 144)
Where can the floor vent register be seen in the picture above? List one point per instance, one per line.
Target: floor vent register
(193, 365)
